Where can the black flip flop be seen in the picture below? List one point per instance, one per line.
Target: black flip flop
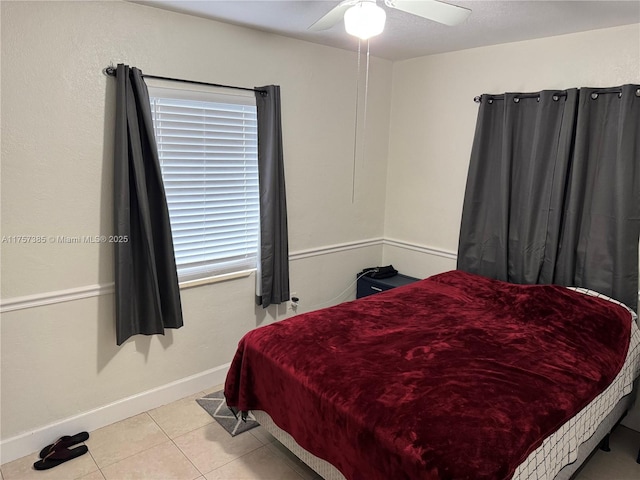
(64, 442)
(59, 456)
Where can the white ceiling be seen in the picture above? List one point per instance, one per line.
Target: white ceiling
(407, 36)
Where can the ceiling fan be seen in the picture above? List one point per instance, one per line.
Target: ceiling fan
(365, 19)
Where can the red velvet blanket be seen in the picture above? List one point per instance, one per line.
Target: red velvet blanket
(453, 377)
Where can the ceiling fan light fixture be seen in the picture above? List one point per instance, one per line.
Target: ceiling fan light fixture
(364, 20)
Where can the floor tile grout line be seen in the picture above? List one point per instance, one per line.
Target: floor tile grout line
(146, 450)
(203, 474)
(137, 453)
(188, 459)
(94, 462)
(233, 460)
(202, 394)
(283, 458)
(177, 446)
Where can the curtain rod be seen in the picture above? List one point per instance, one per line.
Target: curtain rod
(111, 72)
(556, 95)
(594, 94)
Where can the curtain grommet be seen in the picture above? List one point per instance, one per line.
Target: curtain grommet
(538, 99)
(516, 100)
(490, 101)
(555, 98)
(638, 92)
(594, 95)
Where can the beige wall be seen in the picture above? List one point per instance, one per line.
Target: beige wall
(60, 360)
(433, 120)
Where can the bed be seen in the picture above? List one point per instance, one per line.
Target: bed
(453, 377)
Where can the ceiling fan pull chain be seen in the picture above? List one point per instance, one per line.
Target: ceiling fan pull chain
(355, 139)
(366, 101)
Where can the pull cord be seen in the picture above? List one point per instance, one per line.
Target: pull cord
(364, 120)
(355, 136)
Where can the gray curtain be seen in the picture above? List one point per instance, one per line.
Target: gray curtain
(553, 191)
(599, 247)
(146, 282)
(514, 195)
(273, 272)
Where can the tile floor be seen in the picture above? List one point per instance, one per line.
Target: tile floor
(181, 441)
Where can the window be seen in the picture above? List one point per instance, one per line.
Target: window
(207, 144)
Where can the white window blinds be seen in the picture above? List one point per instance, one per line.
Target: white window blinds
(207, 145)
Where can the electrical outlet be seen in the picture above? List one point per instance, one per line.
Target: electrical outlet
(294, 300)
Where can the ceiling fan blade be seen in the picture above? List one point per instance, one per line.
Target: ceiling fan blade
(334, 16)
(433, 10)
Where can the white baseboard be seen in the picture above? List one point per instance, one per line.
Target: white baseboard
(29, 442)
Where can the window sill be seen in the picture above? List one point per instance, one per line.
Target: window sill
(215, 279)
